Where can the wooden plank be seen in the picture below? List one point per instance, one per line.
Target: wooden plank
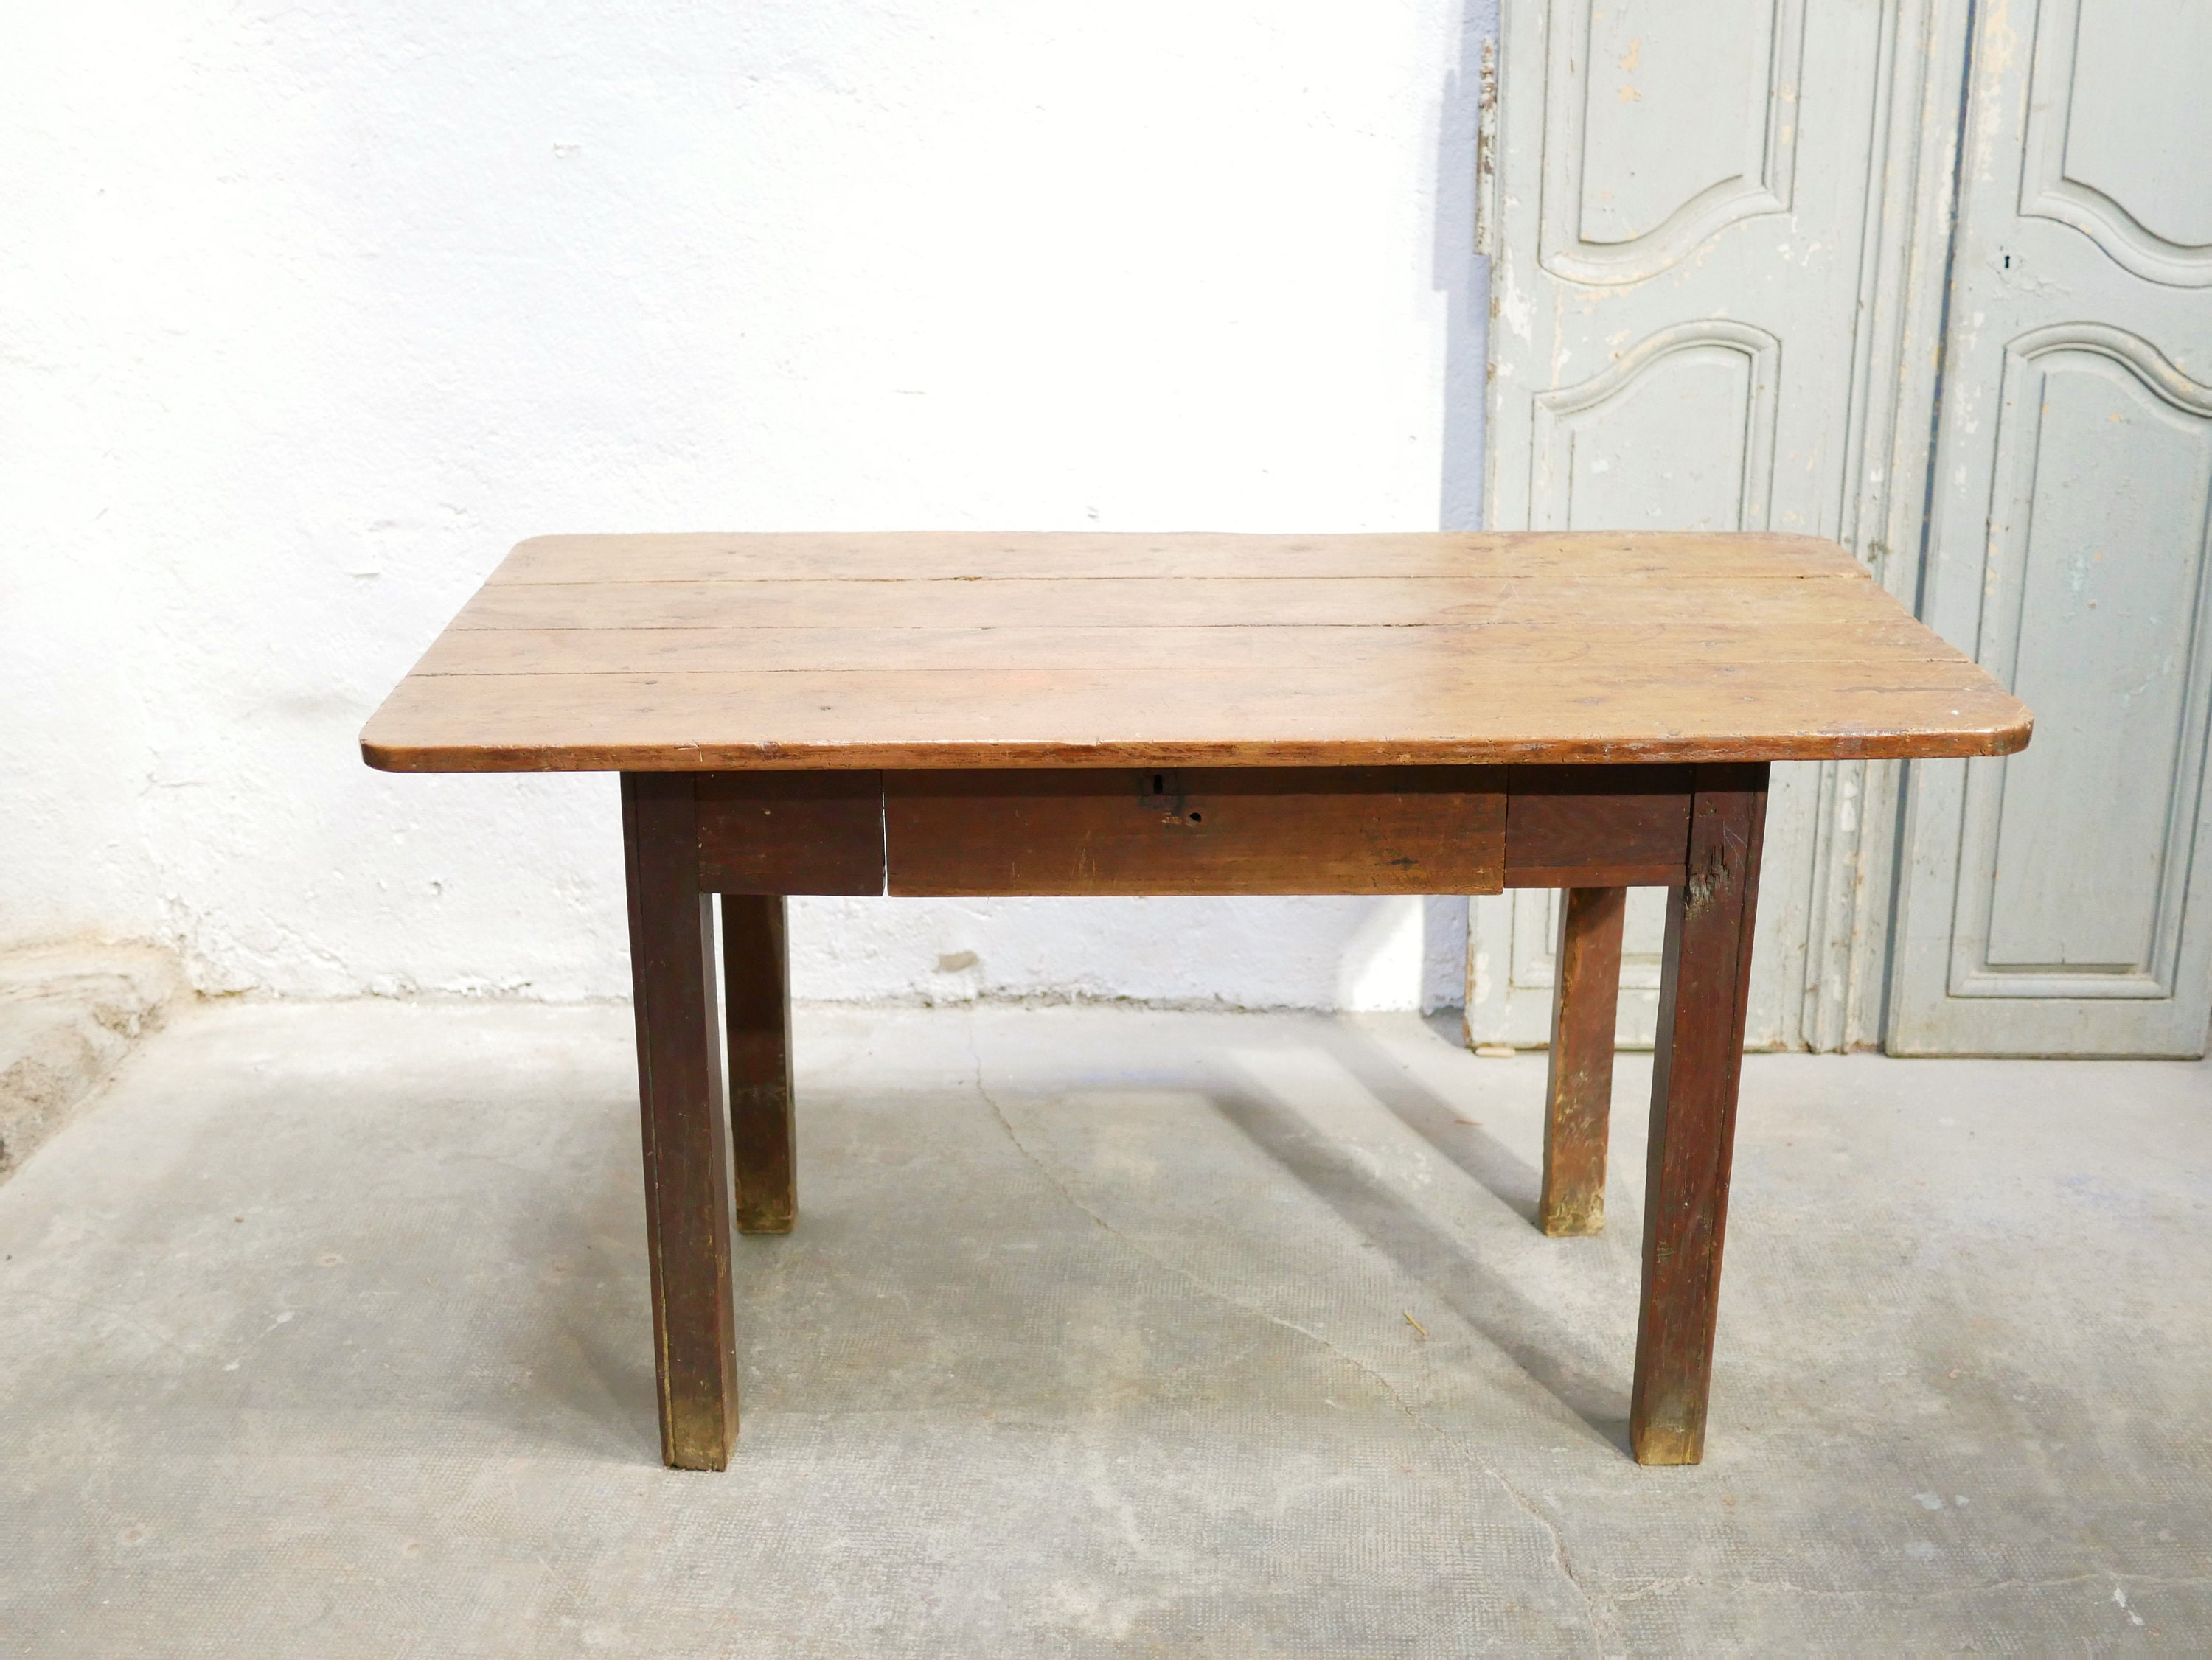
(1079, 603)
(1645, 645)
(1085, 603)
(757, 1014)
(697, 557)
(1578, 1092)
(679, 1065)
(791, 832)
(1597, 826)
(1469, 713)
(1338, 830)
(1705, 988)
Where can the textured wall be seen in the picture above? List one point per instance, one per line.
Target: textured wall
(307, 313)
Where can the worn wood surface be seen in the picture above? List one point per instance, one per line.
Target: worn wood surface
(1578, 1091)
(679, 1066)
(1197, 830)
(709, 653)
(1705, 984)
(791, 832)
(757, 1014)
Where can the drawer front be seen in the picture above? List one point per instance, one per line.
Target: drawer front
(1197, 830)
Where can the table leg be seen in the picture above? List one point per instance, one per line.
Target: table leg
(757, 1009)
(1578, 1096)
(679, 1066)
(1705, 981)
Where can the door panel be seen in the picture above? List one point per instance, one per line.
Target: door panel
(1677, 435)
(2108, 644)
(2118, 127)
(1665, 124)
(2057, 902)
(1688, 202)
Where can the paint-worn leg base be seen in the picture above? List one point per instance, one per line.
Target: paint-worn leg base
(1578, 1096)
(679, 1069)
(757, 1006)
(1705, 987)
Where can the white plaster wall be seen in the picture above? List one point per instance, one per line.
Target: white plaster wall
(308, 311)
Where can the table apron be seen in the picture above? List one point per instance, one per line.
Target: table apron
(1193, 830)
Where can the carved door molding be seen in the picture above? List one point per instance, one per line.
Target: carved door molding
(2099, 108)
(1681, 195)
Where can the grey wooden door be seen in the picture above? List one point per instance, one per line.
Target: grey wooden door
(2059, 902)
(1705, 221)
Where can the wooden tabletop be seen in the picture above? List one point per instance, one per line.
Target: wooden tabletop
(701, 651)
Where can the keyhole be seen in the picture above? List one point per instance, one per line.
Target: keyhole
(2008, 264)
(1196, 817)
(1159, 783)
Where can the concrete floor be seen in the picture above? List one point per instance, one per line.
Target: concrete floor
(323, 1333)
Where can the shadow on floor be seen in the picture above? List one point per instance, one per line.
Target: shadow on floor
(1441, 1122)
(1553, 1354)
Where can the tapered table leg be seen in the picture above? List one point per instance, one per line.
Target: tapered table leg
(679, 1069)
(757, 1006)
(1705, 987)
(1578, 1096)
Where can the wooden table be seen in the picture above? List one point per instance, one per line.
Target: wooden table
(974, 714)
